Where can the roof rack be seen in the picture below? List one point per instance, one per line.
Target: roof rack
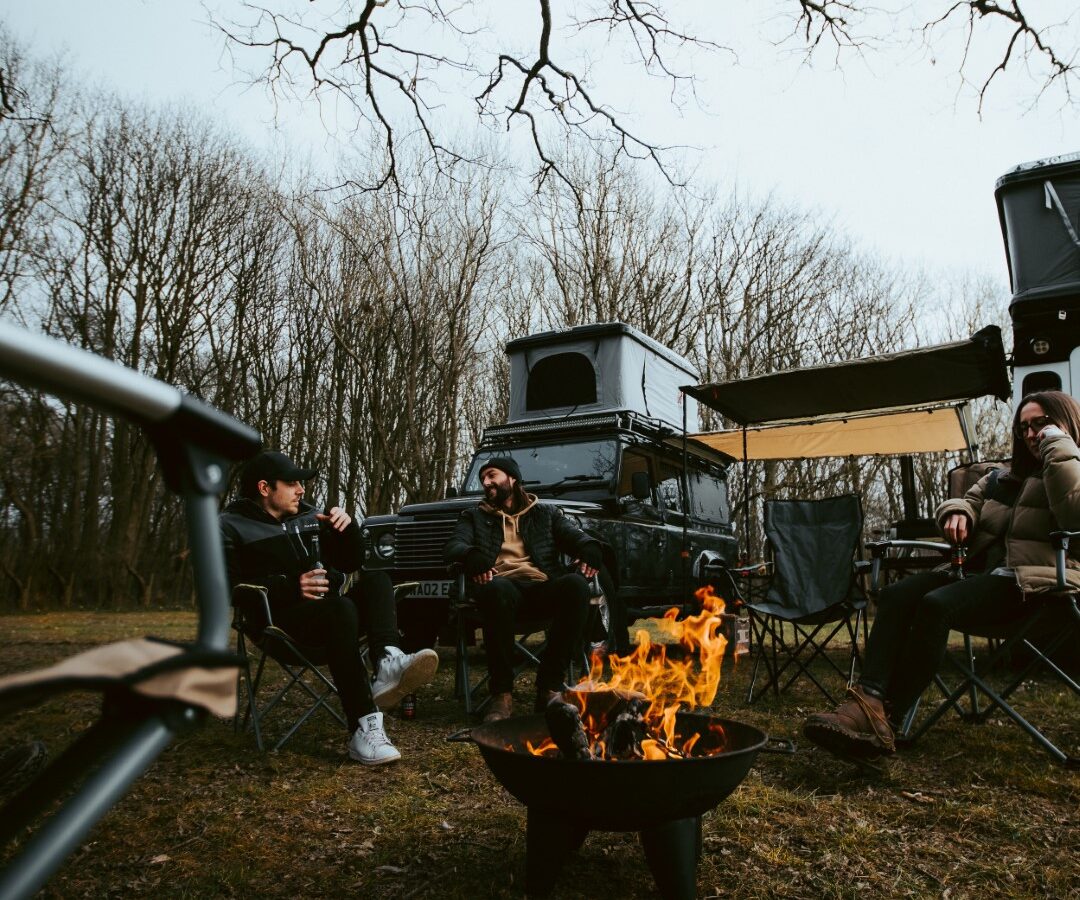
(624, 420)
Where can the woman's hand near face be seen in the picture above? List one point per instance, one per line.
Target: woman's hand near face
(956, 528)
(1049, 431)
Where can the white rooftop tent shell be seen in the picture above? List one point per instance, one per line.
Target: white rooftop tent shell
(605, 367)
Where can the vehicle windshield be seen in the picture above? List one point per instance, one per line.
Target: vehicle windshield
(553, 465)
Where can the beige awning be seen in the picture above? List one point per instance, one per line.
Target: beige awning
(908, 431)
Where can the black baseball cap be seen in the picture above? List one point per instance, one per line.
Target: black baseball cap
(269, 465)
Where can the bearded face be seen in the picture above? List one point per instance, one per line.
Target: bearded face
(498, 486)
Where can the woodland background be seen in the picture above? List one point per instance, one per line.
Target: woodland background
(361, 330)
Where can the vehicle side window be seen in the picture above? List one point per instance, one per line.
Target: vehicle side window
(708, 498)
(632, 462)
(669, 487)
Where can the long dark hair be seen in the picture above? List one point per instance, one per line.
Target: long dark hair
(520, 498)
(1062, 410)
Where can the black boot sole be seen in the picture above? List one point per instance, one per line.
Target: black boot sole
(844, 744)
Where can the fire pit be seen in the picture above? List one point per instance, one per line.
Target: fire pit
(663, 800)
(624, 755)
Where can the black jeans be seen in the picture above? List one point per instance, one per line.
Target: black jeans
(335, 624)
(504, 601)
(911, 629)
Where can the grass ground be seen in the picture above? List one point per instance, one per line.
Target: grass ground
(972, 811)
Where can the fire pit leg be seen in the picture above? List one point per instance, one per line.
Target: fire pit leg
(548, 841)
(672, 851)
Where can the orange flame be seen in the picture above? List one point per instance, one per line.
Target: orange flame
(682, 674)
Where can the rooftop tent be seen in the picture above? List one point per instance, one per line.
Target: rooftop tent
(598, 368)
(889, 382)
(1039, 208)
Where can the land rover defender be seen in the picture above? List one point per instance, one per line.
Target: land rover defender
(596, 423)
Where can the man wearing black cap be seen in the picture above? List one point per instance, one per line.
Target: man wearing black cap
(270, 537)
(509, 547)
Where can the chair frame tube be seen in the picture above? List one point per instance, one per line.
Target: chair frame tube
(195, 445)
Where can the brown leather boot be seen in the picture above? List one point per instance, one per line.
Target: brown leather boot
(501, 707)
(858, 728)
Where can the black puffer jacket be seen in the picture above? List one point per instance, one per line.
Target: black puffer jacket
(544, 529)
(261, 550)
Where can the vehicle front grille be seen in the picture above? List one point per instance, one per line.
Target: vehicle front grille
(419, 544)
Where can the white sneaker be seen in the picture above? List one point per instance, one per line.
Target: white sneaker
(402, 673)
(370, 745)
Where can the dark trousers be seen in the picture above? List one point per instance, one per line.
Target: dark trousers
(421, 619)
(908, 640)
(503, 602)
(335, 624)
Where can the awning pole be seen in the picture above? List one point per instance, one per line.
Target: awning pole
(684, 553)
(746, 494)
(907, 488)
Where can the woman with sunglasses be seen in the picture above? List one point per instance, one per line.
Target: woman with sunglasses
(1005, 520)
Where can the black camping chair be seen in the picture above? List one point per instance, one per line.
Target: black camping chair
(467, 619)
(897, 558)
(257, 635)
(254, 625)
(812, 589)
(1053, 622)
(151, 690)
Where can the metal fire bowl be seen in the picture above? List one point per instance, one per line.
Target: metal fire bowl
(618, 796)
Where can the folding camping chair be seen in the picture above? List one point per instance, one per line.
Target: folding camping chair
(300, 664)
(152, 690)
(467, 619)
(254, 624)
(1052, 622)
(920, 554)
(812, 589)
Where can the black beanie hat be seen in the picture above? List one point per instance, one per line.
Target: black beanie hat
(503, 464)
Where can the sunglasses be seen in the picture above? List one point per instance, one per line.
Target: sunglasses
(1034, 425)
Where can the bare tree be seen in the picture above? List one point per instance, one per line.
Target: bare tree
(403, 289)
(396, 65)
(400, 66)
(31, 141)
(615, 251)
(1040, 39)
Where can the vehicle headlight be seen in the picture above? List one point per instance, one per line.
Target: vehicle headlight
(384, 545)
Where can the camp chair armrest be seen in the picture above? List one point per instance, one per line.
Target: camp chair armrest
(760, 569)
(458, 598)
(1059, 540)
(254, 590)
(880, 549)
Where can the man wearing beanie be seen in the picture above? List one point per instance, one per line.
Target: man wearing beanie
(269, 534)
(509, 546)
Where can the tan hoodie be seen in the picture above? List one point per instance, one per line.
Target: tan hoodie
(513, 561)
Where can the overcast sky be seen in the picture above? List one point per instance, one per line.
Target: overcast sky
(890, 146)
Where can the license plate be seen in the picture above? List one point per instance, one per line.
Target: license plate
(431, 589)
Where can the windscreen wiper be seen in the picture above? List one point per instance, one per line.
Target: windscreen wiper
(574, 479)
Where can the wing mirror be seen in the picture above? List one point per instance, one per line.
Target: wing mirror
(641, 486)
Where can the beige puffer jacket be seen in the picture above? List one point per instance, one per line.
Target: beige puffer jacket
(1049, 500)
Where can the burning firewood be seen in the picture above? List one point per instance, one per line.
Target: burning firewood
(634, 715)
(564, 725)
(622, 738)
